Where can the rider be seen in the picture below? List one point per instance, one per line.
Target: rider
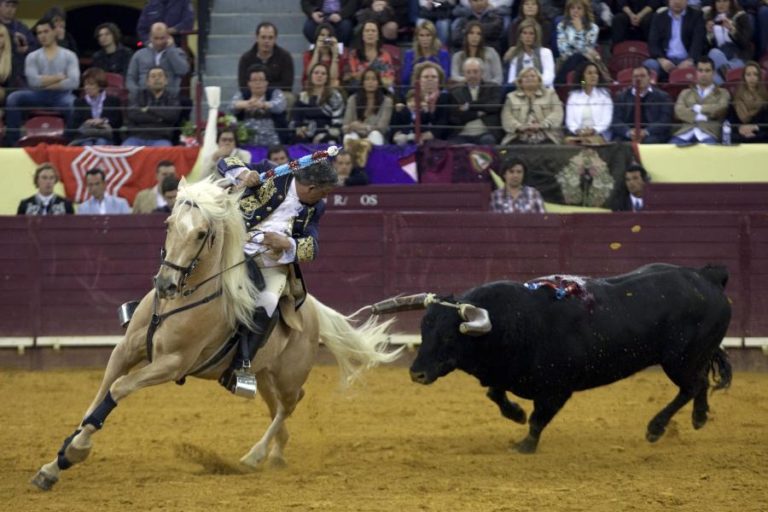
(281, 216)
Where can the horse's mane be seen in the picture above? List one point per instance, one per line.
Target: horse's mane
(220, 208)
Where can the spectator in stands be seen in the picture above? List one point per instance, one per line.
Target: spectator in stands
(348, 174)
(531, 10)
(439, 13)
(426, 47)
(226, 141)
(368, 53)
(576, 39)
(532, 113)
(748, 113)
(701, 108)
(403, 119)
(328, 51)
(655, 111)
(474, 46)
(10, 67)
(97, 115)
(59, 18)
(729, 34)
(528, 52)
(276, 155)
(52, 73)
(380, 12)
(153, 113)
(161, 52)
(434, 101)
(476, 107)
(630, 197)
(22, 39)
(112, 56)
(589, 109)
(337, 13)
(276, 61)
(633, 20)
(676, 39)
(149, 199)
(491, 21)
(368, 111)
(177, 15)
(169, 188)
(101, 203)
(45, 202)
(319, 110)
(516, 197)
(261, 109)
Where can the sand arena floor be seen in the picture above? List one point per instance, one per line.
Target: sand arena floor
(386, 445)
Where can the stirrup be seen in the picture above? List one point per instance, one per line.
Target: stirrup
(243, 383)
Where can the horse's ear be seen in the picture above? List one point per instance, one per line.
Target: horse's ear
(183, 182)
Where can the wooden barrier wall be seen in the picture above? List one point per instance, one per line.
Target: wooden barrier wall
(67, 276)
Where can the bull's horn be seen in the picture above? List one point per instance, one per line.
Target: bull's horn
(401, 303)
(477, 321)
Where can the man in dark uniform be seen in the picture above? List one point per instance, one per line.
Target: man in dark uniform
(45, 202)
(630, 199)
(281, 215)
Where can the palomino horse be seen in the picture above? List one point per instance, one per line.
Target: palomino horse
(182, 326)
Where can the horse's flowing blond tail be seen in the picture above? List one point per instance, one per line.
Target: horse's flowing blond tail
(356, 349)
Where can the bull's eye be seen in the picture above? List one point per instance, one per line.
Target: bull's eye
(201, 235)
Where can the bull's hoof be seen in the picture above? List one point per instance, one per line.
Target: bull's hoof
(44, 481)
(527, 445)
(699, 420)
(652, 437)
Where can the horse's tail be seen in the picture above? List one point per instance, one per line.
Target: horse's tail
(720, 369)
(355, 348)
(717, 274)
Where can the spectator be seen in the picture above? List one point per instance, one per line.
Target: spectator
(261, 109)
(10, 67)
(227, 147)
(748, 113)
(112, 56)
(149, 199)
(45, 202)
(426, 47)
(531, 10)
(403, 120)
(589, 110)
(702, 107)
(528, 52)
(319, 110)
(169, 188)
(490, 19)
(276, 155)
(676, 39)
(96, 115)
(52, 73)
(576, 39)
(729, 33)
(439, 13)
(154, 113)
(630, 198)
(532, 113)
(474, 46)
(380, 12)
(161, 52)
(368, 112)
(516, 197)
(277, 62)
(101, 203)
(655, 111)
(22, 39)
(326, 50)
(177, 15)
(337, 13)
(63, 38)
(476, 107)
(633, 21)
(348, 174)
(368, 53)
(434, 102)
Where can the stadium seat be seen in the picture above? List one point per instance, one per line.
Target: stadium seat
(627, 54)
(116, 86)
(639, 47)
(624, 77)
(394, 52)
(43, 129)
(680, 79)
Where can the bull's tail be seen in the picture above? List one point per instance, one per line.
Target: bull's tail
(717, 274)
(720, 369)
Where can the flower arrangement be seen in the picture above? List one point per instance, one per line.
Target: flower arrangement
(223, 121)
(585, 180)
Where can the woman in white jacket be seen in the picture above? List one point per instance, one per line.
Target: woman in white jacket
(589, 109)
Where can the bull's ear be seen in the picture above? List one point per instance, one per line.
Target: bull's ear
(477, 322)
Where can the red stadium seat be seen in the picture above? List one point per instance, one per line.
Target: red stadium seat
(627, 54)
(624, 77)
(639, 47)
(116, 86)
(43, 129)
(680, 79)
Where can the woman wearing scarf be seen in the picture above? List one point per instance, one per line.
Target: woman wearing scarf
(749, 109)
(529, 53)
(97, 115)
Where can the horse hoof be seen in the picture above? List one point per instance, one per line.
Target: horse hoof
(277, 463)
(44, 481)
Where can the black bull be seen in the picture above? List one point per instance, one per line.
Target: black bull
(543, 348)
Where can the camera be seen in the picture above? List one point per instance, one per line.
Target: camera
(328, 41)
(718, 22)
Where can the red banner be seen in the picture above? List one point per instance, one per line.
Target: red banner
(128, 169)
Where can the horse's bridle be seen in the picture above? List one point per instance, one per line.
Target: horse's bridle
(186, 271)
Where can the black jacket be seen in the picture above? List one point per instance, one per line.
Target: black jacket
(656, 109)
(112, 110)
(692, 33)
(57, 206)
(153, 118)
(489, 100)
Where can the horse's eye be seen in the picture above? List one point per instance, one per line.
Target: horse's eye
(201, 235)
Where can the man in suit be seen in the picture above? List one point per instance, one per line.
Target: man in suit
(149, 199)
(45, 202)
(630, 199)
(702, 107)
(655, 111)
(101, 203)
(477, 106)
(281, 215)
(677, 38)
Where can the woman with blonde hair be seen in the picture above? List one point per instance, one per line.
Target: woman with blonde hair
(426, 47)
(748, 113)
(576, 38)
(532, 114)
(9, 77)
(528, 52)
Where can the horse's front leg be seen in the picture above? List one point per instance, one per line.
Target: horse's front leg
(268, 391)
